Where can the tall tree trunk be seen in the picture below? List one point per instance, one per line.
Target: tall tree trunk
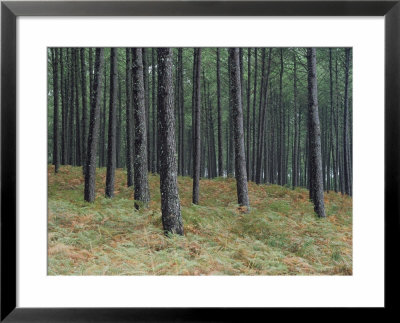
(71, 88)
(248, 130)
(170, 203)
(119, 124)
(63, 111)
(211, 151)
(146, 103)
(196, 129)
(84, 107)
(181, 115)
(103, 122)
(139, 112)
(90, 173)
(315, 136)
(237, 112)
(254, 117)
(77, 116)
(154, 111)
(281, 146)
(331, 122)
(56, 162)
(296, 126)
(111, 150)
(90, 76)
(231, 157)
(262, 120)
(128, 119)
(220, 148)
(345, 125)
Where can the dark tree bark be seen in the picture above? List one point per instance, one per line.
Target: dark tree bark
(78, 152)
(248, 130)
(262, 117)
(128, 120)
(196, 129)
(170, 203)
(91, 76)
(211, 137)
(254, 117)
(84, 107)
(102, 157)
(63, 111)
(259, 150)
(71, 88)
(181, 110)
(231, 149)
(111, 149)
(146, 103)
(281, 145)
(56, 161)
(237, 112)
(141, 183)
(316, 185)
(296, 126)
(119, 124)
(154, 110)
(220, 148)
(332, 117)
(90, 173)
(346, 157)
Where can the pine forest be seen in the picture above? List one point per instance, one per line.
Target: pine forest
(200, 161)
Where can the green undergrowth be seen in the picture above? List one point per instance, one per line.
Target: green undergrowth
(281, 235)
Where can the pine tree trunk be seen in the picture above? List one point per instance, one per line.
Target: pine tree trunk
(90, 76)
(84, 107)
(170, 203)
(345, 125)
(141, 183)
(119, 124)
(111, 149)
(71, 88)
(248, 130)
(237, 112)
(90, 173)
(181, 143)
(281, 145)
(147, 104)
(78, 153)
(103, 121)
(63, 111)
(263, 108)
(254, 117)
(331, 122)
(220, 148)
(128, 120)
(316, 185)
(154, 111)
(56, 161)
(260, 120)
(296, 126)
(196, 129)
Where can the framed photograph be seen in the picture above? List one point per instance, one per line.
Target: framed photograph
(178, 160)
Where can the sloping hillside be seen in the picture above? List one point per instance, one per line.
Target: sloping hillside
(280, 236)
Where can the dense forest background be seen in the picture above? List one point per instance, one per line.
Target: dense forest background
(276, 148)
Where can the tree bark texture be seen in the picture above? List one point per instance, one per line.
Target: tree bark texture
(170, 203)
(90, 172)
(316, 184)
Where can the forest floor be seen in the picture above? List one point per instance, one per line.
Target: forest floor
(280, 236)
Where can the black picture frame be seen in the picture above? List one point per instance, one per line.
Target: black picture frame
(10, 10)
